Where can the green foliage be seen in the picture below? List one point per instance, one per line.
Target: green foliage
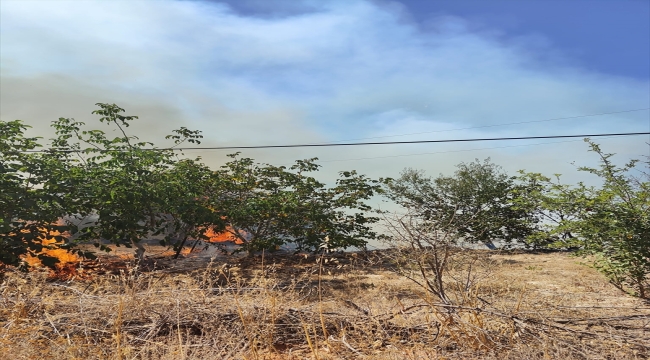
(127, 187)
(116, 188)
(548, 212)
(190, 186)
(32, 196)
(614, 223)
(610, 222)
(477, 204)
(121, 189)
(267, 206)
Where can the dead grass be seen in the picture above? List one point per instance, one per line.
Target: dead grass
(532, 306)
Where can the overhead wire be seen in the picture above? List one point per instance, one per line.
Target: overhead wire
(406, 142)
(361, 143)
(448, 151)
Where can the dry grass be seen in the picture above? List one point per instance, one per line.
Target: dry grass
(532, 306)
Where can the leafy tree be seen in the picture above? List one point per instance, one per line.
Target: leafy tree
(190, 185)
(122, 189)
(610, 222)
(125, 183)
(267, 206)
(32, 196)
(537, 195)
(477, 204)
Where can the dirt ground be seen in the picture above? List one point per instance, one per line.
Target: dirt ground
(339, 306)
(562, 278)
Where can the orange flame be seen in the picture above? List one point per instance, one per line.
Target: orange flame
(62, 255)
(215, 237)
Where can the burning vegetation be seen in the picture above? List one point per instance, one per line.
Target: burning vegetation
(226, 236)
(66, 263)
(52, 248)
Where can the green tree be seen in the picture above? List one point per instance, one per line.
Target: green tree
(123, 190)
(33, 196)
(125, 181)
(190, 186)
(610, 222)
(267, 206)
(538, 196)
(477, 204)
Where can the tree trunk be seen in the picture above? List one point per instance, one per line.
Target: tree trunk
(180, 247)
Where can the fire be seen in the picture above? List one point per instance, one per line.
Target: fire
(227, 235)
(62, 255)
(213, 237)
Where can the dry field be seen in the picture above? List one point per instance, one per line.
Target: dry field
(340, 306)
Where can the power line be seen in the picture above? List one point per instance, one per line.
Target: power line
(369, 143)
(495, 125)
(408, 142)
(448, 151)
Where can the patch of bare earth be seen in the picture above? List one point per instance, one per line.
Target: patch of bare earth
(341, 306)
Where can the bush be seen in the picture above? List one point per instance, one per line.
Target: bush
(478, 204)
(610, 222)
(614, 223)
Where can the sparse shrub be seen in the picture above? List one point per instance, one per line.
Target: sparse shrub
(611, 222)
(614, 224)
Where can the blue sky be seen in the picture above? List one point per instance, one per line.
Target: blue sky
(270, 72)
(600, 35)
